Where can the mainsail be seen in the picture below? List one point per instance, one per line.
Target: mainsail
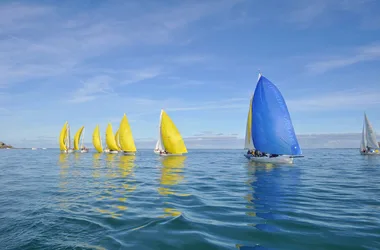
(159, 145)
(248, 138)
(170, 138)
(117, 139)
(96, 139)
(77, 138)
(127, 143)
(368, 135)
(63, 138)
(272, 129)
(110, 139)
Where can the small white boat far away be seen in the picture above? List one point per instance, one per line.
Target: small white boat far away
(368, 144)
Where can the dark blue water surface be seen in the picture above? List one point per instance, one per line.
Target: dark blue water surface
(208, 199)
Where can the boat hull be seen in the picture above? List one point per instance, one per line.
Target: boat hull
(283, 159)
(84, 151)
(129, 153)
(370, 153)
(113, 152)
(165, 155)
(67, 151)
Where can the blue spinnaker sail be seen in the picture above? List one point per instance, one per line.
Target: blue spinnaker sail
(272, 128)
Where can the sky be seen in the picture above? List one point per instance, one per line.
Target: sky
(89, 62)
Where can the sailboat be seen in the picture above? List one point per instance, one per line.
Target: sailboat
(64, 139)
(77, 138)
(97, 140)
(170, 141)
(248, 145)
(127, 144)
(368, 144)
(110, 140)
(272, 130)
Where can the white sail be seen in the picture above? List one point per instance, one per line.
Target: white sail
(363, 142)
(83, 138)
(370, 135)
(159, 145)
(248, 136)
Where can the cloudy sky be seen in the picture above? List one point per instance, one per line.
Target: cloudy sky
(89, 62)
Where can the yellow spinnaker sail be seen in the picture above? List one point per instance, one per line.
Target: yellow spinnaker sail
(77, 138)
(110, 139)
(117, 139)
(62, 138)
(171, 138)
(126, 138)
(96, 140)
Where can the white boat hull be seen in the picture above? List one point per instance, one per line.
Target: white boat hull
(106, 150)
(67, 151)
(113, 152)
(158, 153)
(84, 151)
(283, 159)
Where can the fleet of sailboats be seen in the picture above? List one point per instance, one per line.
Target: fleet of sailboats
(269, 137)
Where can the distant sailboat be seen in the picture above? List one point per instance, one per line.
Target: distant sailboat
(64, 139)
(77, 137)
(97, 140)
(110, 140)
(272, 130)
(127, 144)
(368, 144)
(170, 141)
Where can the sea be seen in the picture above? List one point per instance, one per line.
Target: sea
(209, 199)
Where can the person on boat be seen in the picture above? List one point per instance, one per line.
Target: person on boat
(273, 155)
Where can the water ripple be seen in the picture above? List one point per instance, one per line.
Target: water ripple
(206, 200)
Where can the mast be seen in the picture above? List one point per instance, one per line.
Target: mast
(69, 137)
(83, 137)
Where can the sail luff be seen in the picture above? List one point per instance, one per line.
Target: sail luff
(159, 145)
(83, 137)
(248, 138)
(68, 137)
(363, 143)
(62, 138)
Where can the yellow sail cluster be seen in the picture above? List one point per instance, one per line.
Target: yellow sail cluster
(170, 141)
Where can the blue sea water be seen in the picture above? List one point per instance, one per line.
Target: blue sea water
(210, 199)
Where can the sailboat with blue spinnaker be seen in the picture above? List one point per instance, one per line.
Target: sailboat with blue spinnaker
(271, 129)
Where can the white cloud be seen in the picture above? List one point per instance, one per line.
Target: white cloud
(308, 13)
(362, 54)
(42, 41)
(345, 99)
(92, 88)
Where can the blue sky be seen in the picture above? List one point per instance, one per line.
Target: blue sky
(89, 62)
